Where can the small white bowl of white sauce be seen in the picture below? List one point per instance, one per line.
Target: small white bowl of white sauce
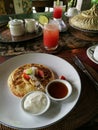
(35, 103)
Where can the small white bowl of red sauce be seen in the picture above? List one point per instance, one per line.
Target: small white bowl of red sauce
(58, 89)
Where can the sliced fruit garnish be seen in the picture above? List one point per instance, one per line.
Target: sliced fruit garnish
(43, 19)
(62, 77)
(27, 77)
(28, 71)
(7, 25)
(40, 73)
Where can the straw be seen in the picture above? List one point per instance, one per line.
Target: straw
(58, 2)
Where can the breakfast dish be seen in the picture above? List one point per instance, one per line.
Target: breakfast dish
(90, 54)
(29, 77)
(11, 113)
(87, 20)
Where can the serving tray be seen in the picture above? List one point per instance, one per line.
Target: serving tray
(6, 37)
(83, 34)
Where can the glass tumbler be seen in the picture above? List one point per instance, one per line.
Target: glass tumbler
(51, 36)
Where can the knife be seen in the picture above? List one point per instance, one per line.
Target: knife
(78, 62)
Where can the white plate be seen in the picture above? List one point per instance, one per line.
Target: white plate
(90, 52)
(11, 113)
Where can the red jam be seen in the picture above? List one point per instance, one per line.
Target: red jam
(57, 90)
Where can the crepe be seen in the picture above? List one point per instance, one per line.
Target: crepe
(87, 20)
(20, 83)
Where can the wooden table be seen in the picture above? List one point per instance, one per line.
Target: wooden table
(87, 106)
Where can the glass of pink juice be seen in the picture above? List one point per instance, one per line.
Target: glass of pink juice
(57, 12)
(51, 36)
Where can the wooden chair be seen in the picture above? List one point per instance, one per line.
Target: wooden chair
(41, 4)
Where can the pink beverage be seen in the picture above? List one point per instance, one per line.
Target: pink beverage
(57, 13)
(51, 36)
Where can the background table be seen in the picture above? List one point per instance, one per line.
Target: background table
(86, 109)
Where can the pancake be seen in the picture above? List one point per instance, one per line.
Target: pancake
(21, 82)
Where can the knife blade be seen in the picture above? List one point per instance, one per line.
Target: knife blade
(79, 63)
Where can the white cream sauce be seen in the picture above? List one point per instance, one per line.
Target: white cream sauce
(35, 102)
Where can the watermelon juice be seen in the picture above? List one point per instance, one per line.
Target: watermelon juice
(51, 36)
(57, 13)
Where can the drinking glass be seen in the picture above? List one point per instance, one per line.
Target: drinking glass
(57, 15)
(58, 10)
(51, 36)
